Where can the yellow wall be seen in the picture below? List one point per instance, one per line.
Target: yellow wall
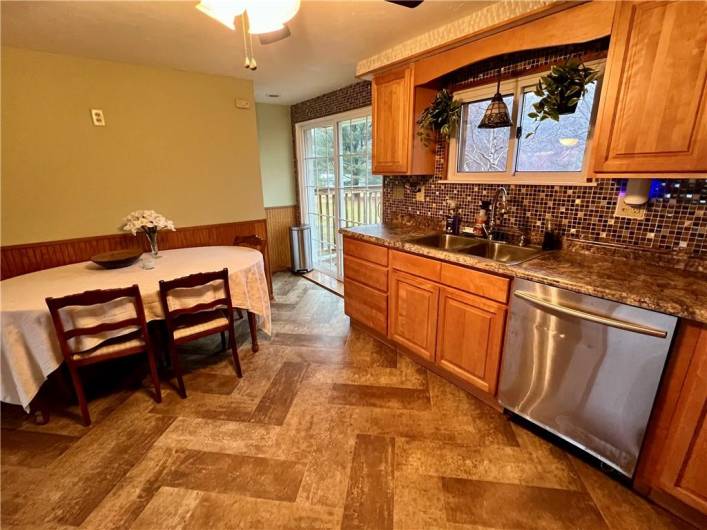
(174, 142)
(276, 159)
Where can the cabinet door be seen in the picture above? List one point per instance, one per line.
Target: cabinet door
(652, 117)
(684, 472)
(392, 122)
(469, 338)
(413, 314)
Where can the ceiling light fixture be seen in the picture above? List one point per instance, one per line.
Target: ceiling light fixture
(258, 17)
(265, 16)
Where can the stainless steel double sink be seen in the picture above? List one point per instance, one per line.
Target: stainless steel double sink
(499, 251)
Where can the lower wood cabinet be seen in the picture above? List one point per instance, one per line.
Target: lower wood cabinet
(366, 305)
(413, 313)
(673, 466)
(470, 337)
(450, 316)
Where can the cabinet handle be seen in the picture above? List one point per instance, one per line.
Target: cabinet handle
(599, 319)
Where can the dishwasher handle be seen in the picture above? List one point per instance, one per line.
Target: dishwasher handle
(599, 319)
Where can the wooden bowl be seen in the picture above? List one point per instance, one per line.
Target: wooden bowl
(116, 259)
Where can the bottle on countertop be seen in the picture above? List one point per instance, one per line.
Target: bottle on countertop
(550, 236)
(481, 218)
(454, 219)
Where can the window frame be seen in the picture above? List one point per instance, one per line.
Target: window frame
(518, 87)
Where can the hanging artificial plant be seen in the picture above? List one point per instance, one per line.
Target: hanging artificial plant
(440, 119)
(561, 90)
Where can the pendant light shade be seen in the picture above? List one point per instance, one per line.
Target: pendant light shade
(496, 115)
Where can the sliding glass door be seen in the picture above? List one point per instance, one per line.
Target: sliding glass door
(336, 186)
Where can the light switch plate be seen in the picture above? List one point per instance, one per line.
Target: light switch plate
(628, 211)
(420, 195)
(97, 118)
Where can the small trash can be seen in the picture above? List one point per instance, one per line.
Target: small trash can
(301, 247)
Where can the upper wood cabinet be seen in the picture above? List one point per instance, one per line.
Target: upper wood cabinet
(396, 104)
(413, 313)
(470, 335)
(652, 116)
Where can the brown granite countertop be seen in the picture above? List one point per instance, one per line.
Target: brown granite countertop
(633, 282)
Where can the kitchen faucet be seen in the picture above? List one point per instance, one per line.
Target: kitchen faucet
(497, 201)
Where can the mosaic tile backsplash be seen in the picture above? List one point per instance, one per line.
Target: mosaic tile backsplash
(676, 215)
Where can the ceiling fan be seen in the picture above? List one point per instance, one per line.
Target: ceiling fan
(406, 3)
(264, 18)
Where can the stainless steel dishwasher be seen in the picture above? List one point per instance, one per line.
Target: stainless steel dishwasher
(584, 368)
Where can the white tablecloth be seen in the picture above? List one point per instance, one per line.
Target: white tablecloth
(30, 350)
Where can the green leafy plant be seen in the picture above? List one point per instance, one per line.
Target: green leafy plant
(561, 90)
(440, 119)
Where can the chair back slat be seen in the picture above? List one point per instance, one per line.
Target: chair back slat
(189, 282)
(91, 298)
(205, 306)
(100, 328)
(193, 280)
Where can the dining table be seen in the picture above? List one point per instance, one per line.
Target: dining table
(30, 349)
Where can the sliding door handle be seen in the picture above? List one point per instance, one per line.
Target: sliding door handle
(592, 317)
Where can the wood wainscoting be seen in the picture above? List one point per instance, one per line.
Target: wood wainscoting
(21, 259)
(280, 219)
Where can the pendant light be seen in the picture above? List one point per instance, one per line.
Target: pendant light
(496, 115)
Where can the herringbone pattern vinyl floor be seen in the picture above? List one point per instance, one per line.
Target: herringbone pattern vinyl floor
(328, 429)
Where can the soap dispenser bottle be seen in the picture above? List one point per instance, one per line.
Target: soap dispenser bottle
(454, 219)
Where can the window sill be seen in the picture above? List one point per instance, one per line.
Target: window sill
(509, 179)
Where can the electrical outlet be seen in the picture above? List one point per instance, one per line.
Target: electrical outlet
(628, 211)
(97, 118)
(399, 191)
(420, 195)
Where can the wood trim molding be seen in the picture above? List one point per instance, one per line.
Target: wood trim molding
(30, 257)
(565, 23)
(493, 29)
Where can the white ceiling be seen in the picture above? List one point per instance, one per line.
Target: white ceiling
(328, 38)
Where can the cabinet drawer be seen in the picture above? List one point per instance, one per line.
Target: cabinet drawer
(366, 273)
(366, 251)
(366, 305)
(476, 282)
(417, 265)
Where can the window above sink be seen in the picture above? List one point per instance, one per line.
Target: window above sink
(525, 153)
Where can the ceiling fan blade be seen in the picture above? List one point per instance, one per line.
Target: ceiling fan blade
(406, 3)
(274, 36)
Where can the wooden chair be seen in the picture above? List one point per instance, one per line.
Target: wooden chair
(132, 342)
(200, 320)
(259, 244)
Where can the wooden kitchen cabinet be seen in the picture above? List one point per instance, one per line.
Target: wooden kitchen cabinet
(470, 337)
(396, 104)
(673, 466)
(366, 284)
(413, 313)
(652, 117)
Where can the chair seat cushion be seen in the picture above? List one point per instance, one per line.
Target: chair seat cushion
(218, 323)
(131, 342)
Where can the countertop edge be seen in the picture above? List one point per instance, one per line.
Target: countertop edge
(516, 271)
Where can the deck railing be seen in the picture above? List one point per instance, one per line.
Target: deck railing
(358, 207)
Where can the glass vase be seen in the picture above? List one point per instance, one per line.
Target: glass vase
(152, 239)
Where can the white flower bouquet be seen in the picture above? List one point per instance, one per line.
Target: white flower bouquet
(150, 222)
